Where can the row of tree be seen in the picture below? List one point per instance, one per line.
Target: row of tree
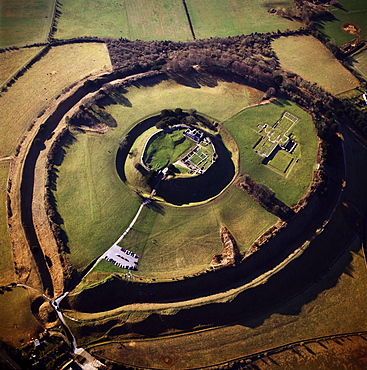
(266, 198)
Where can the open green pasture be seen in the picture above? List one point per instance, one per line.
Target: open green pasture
(236, 17)
(360, 64)
(145, 20)
(350, 11)
(96, 206)
(244, 128)
(25, 22)
(167, 20)
(6, 257)
(295, 53)
(59, 68)
(178, 241)
(13, 60)
(94, 203)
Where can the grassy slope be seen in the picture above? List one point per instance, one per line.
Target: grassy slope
(325, 70)
(145, 20)
(340, 307)
(98, 216)
(58, 69)
(288, 188)
(184, 240)
(13, 60)
(16, 320)
(92, 199)
(351, 11)
(6, 257)
(223, 18)
(25, 22)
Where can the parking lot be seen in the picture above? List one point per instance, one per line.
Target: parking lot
(121, 257)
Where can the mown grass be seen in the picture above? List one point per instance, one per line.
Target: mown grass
(59, 68)
(17, 324)
(13, 60)
(104, 206)
(92, 199)
(182, 241)
(6, 256)
(25, 22)
(145, 20)
(281, 161)
(166, 148)
(350, 11)
(295, 53)
(243, 128)
(220, 18)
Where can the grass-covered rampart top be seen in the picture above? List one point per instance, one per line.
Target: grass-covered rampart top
(163, 235)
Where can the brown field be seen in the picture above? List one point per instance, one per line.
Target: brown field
(32, 92)
(12, 61)
(25, 22)
(17, 323)
(295, 54)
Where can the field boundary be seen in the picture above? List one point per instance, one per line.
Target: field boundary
(23, 69)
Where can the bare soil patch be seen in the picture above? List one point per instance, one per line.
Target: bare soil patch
(351, 29)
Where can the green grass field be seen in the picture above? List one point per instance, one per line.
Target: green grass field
(243, 128)
(325, 70)
(97, 216)
(351, 11)
(145, 20)
(58, 69)
(6, 257)
(25, 22)
(167, 20)
(166, 148)
(282, 161)
(12, 61)
(360, 64)
(220, 18)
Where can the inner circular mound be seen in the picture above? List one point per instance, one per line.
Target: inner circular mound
(183, 163)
